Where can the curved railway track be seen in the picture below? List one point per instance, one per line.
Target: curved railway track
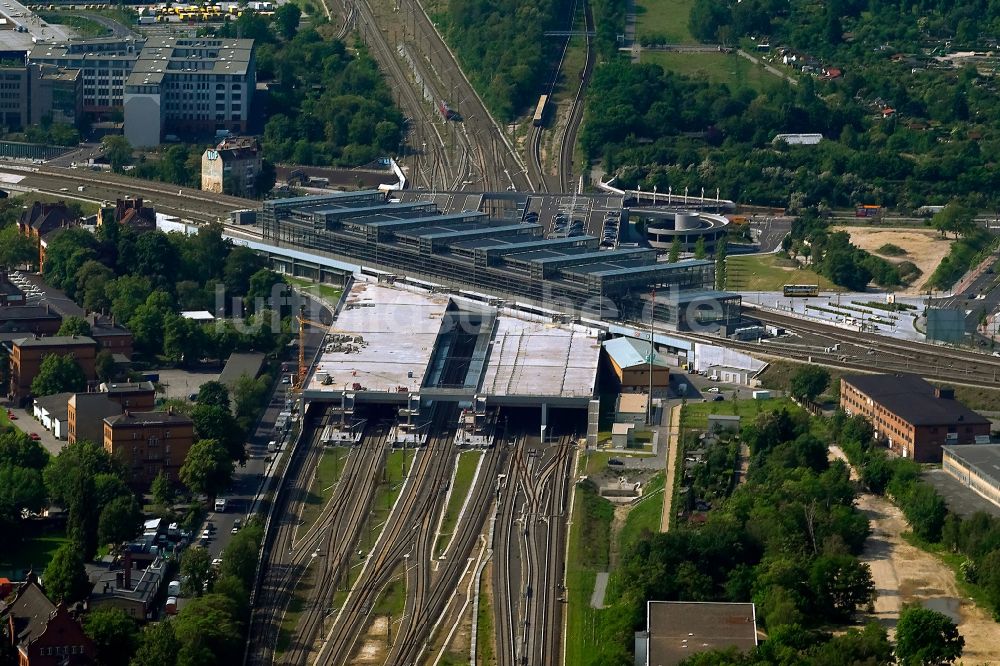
(567, 145)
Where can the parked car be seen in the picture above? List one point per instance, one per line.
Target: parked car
(35, 436)
(616, 462)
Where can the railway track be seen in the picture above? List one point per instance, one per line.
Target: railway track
(335, 536)
(529, 555)
(420, 495)
(437, 586)
(567, 145)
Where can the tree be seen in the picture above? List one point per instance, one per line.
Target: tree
(118, 151)
(104, 365)
(924, 636)
(59, 373)
(808, 382)
(249, 395)
(65, 577)
(162, 490)
(16, 249)
(954, 218)
(924, 509)
(214, 393)
(209, 632)
(196, 568)
(240, 557)
(699, 248)
(218, 423)
(720, 264)
(841, 584)
(74, 326)
(158, 646)
(286, 18)
(21, 488)
(240, 265)
(183, 340)
(120, 520)
(115, 634)
(208, 468)
(675, 250)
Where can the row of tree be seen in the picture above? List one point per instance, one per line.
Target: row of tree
(145, 279)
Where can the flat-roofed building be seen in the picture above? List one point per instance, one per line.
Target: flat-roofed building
(189, 86)
(675, 630)
(976, 466)
(105, 64)
(912, 417)
(134, 396)
(231, 167)
(149, 443)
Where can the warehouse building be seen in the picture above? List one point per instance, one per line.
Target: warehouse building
(675, 630)
(976, 466)
(504, 258)
(912, 417)
(629, 359)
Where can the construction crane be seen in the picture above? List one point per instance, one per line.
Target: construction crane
(300, 378)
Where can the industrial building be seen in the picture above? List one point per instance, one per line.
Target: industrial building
(629, 359)
(675, 630)
(911, 416)
(507, 258)
(189, 87)
(663, 227)
(976, 466)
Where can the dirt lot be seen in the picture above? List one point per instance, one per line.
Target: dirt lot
(904, 573)
(924, 247)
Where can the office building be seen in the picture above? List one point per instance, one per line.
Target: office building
(912, 417)
(196, 86)
(105, 64)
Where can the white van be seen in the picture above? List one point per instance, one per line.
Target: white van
(174, 588)
(272, 446)
(220, 505)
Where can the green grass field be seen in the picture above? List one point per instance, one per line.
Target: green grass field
(768, 272)
(589, 553)
(393, 598)
(331, 464)
(694, 416)
(397, 465)
(327, 292)
(668, 18)
(728, 68)
(32, 552)
(484, 644)
(644, 518)
(465, 470)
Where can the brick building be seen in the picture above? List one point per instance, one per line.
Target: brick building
(133, 396)
(42, 220)
(912, 417)
(148, 443)
(132, 213)
(26, 357)
(85, 414)
(44, 634)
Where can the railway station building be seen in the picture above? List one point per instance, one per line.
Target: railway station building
(912, 417)
(503, 258)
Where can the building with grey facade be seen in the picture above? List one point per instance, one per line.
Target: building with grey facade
(189, 86)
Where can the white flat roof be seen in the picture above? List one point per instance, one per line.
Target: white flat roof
(398, 328)
(532, 358)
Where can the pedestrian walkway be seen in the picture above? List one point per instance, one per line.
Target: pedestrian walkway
(673, 443)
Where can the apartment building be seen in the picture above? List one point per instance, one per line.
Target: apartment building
(231, 167)
(27, 354)
(187, 86)
(912, 417)
(148, 443)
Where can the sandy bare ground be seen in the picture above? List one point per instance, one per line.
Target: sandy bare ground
(904, 574)
(924, 247)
